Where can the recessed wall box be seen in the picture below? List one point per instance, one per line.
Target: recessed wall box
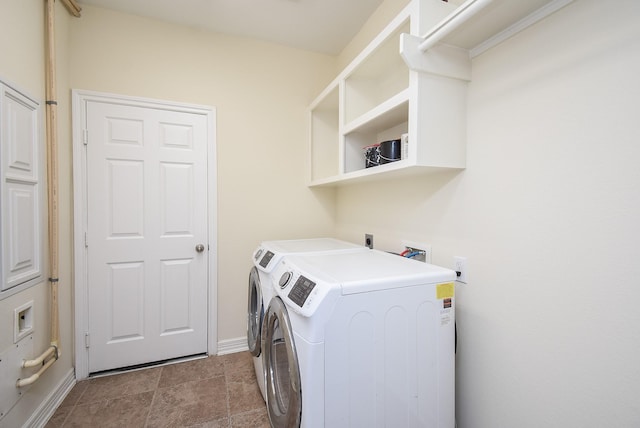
(22, 321)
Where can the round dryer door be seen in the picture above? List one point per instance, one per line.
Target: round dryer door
(255, 313)
(283, 392)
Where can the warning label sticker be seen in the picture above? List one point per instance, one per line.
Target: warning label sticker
(445, 291)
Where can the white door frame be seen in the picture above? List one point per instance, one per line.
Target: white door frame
(80, 273)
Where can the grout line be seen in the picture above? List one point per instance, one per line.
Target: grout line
(228, 394)
(75, 403)
(153, 400)
(67, 417)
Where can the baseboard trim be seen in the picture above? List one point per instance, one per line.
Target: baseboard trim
(231, 346)
(48, 407)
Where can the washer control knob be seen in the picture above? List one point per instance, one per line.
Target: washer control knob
(284, 279)
(258, 254)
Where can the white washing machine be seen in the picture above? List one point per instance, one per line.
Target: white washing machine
(361, 339)
(265, 258)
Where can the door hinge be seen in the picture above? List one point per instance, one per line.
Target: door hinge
(86, 241)
(86, 340)
(85, 136)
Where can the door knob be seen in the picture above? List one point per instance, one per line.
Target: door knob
(199, 248)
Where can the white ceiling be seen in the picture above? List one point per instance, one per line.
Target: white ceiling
(319, 25)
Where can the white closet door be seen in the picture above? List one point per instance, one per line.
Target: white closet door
(147, 234)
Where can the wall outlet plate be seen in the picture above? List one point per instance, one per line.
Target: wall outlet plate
(460, 265)
(368, 240)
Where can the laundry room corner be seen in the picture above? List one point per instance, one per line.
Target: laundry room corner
(544, 214)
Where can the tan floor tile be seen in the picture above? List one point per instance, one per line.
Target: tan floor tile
(189, 403)
(244, 396)
(220, 423)
(203, 368)
(214, 392)
(59, 417)
(74, 395)
(130, 411)
(108, 387)
(253, 419)
(237, 361)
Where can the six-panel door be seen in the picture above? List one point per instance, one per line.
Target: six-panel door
(147, 214)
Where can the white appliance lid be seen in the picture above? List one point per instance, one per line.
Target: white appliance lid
(357, 272)
(308, 245)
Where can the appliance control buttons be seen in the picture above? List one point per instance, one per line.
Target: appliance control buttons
(301, 290)
(284, 279)
(258, 254)
(266, 259)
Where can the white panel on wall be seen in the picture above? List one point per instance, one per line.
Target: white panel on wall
(22, 244)
(21, 210)
(21, 129)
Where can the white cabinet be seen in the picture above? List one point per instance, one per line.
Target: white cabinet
(378, 98)
(21, 212)
(395, 86)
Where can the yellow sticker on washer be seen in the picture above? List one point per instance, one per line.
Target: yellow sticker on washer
(445, 291)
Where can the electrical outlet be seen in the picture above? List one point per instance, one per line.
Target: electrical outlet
(460, 266)
(368, 240)
(423, 249)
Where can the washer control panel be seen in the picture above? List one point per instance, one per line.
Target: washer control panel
(266, 259)
(301, 290)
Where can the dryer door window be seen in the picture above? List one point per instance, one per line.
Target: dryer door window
(255, 313)
(284, 397)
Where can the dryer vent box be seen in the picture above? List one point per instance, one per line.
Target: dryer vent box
(22, 321)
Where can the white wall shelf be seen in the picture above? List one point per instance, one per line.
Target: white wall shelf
(378, 97)
(411, 79)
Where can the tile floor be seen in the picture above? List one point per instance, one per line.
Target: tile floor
(214, 392)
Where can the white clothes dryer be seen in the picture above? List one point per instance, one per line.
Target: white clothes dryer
(265, 258)
(361, 339)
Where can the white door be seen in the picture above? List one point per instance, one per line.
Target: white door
(146, 238)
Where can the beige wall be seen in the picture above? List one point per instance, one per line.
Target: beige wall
(547, 213)
(376, 22)
(22, 64)
(261, 92)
